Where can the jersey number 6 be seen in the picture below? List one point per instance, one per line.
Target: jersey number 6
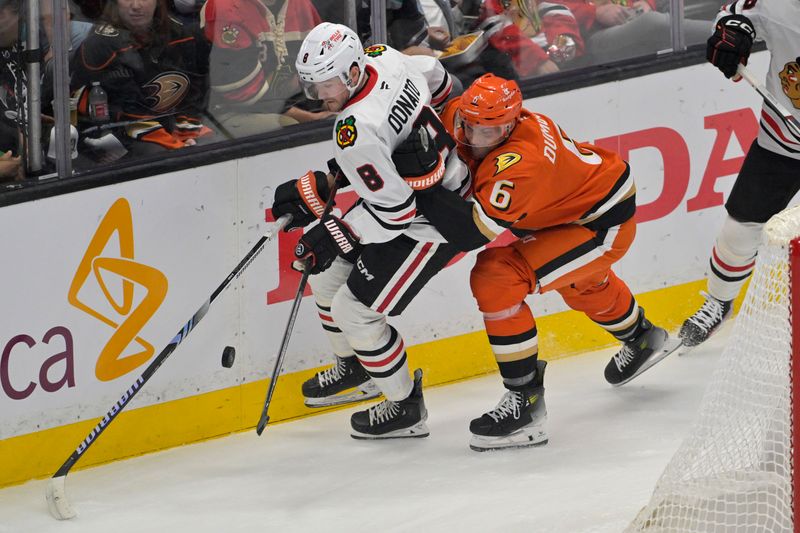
(501, 194)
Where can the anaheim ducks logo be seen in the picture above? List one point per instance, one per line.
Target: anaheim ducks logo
(375, 50)
(790, 81)
(508, 159)
(166, 91)
(346, 133)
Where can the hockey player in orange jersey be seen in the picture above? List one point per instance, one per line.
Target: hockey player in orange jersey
(571, 204)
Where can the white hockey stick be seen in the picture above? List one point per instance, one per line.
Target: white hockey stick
(55, 493)
(791, 123)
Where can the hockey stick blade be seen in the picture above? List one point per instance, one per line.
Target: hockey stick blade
(786, 116)
(55, 493)
(262, 424)
(298, 297)
(263, 419)
(57, 502)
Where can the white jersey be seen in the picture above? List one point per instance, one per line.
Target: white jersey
(397, 95)
(778, 23)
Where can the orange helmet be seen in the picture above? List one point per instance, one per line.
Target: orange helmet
(487, 112)
(491, 100)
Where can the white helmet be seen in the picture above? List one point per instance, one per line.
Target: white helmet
(329, 50)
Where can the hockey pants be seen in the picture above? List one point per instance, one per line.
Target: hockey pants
(574, 261)
(354, 300)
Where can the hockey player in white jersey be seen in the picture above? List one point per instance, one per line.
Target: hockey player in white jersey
(369, 264)
(770, 175)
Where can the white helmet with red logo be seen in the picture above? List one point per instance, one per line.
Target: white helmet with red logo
(329, 51)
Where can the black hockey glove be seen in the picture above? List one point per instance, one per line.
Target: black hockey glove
(730, 45)
(453, 217)
(302, 198)
(322, 243)
(418, 161)
(333, 168)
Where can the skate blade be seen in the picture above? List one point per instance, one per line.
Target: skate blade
(416, 431)
(685, 349)
(523, 438)
(367, 391)
(670, 345)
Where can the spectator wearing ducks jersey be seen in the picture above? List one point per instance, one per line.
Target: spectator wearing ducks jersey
(153, 70)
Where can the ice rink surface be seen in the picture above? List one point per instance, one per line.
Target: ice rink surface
(607, 448)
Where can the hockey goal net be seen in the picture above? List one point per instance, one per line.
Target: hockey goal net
(734, 472)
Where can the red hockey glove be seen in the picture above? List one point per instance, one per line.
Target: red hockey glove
(322, 243)
(303, 198)
(730, 44)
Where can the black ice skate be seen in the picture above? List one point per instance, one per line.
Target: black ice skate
(516, 422)
(701, 325)
(393, 420)
(637, 355)
(344, 382)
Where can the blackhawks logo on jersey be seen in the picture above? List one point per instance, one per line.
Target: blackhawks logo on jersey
(346, 133)
(790, 81)
(230, 34)
(375, 50)
(503, 161)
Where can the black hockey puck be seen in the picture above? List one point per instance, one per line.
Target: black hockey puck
(228, 356)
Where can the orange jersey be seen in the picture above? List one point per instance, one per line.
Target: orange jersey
(540, 178)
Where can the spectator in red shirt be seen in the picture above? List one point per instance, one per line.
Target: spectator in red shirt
(543, 38)
(618, 29)
(254, 85)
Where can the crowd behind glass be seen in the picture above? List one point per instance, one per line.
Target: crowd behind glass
(153, 76)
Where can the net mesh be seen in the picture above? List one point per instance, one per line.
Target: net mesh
(733, 472)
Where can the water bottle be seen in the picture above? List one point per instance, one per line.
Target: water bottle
(98, 104)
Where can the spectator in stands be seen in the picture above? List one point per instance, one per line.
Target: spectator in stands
(331, 10)
(443, 16)
(254, 83)
(153, 70)
(619, 29)
(12, 83)
(187, 11)
(406, 27)
(91, 9)
(542, 39)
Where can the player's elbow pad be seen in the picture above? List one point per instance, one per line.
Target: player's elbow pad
(451, 215)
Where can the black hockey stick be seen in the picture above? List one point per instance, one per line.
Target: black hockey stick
(263, 420)
(57, 501)
(791, 123)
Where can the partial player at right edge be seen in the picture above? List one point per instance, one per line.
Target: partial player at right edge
(770, 175)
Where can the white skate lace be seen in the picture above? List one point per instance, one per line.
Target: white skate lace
(623, 357)
(382, 412)
(333, 374)
(709, 315)
(509, 405)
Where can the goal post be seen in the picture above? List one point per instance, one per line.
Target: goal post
(794, 316)
(735, 471)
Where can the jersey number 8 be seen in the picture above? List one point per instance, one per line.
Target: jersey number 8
(370, 176)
